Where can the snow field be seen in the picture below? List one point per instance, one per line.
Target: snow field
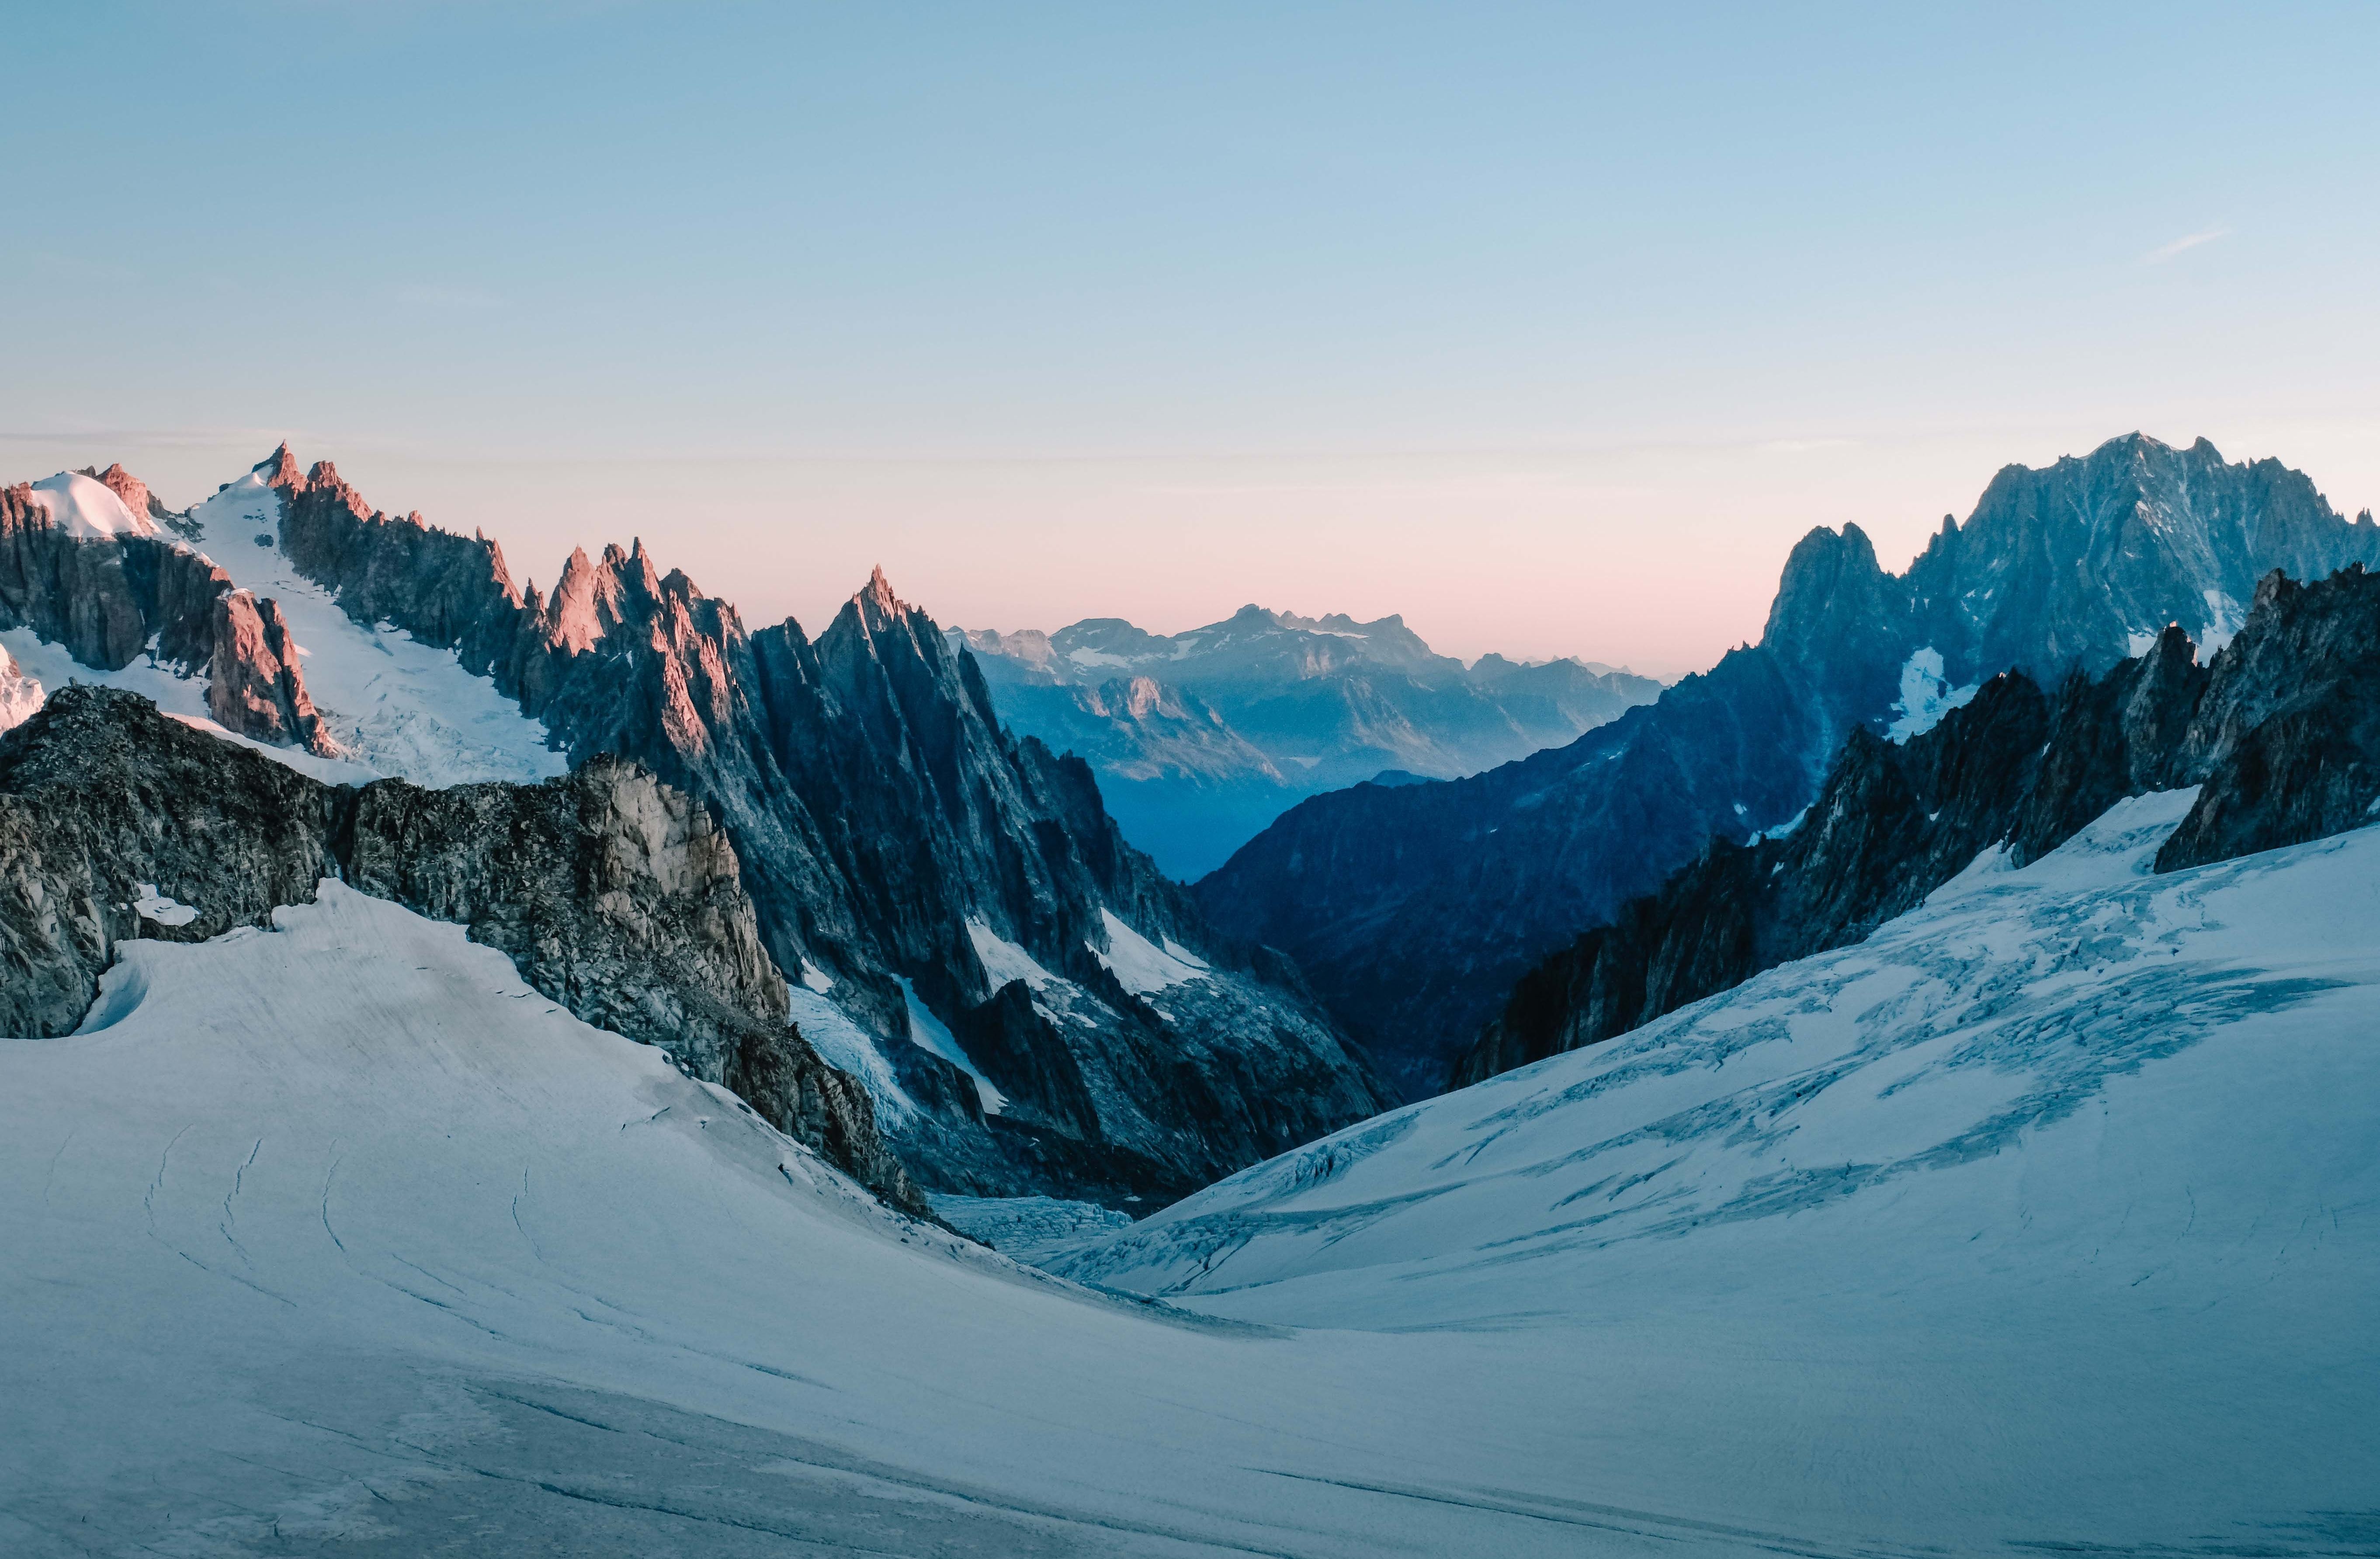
(2048, 1216)
(2054, 1207)
(394, 705)
(340, 1233)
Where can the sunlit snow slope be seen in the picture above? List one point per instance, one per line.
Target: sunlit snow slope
(2050, 1213)
(394, 705)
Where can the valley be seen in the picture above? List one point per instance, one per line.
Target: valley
(572, 1069)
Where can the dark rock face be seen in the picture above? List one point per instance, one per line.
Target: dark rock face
(2287, 743)
(2281, 734)
(99, 794)
(613, 895)
(2084, 562)
(1414, 908)
(109, 601)
(1201, 738)
(80, 594)
(878, 809)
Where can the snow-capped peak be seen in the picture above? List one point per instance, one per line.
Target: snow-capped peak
(85, 509)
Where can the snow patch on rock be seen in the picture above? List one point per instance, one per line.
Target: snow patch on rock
(2225, 619)
(151, 905)
(844, 1046)
(19, 694)
(928, 1033)
(1139, 965)
(1004, 962)
(1925, 695)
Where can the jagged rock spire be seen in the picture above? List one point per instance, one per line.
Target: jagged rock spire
(280, 469)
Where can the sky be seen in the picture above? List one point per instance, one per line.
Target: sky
(1550, 327)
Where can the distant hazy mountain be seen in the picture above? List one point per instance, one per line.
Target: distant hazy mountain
(1202, 738)
(1413, 910)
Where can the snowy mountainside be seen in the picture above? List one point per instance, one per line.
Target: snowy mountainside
(85, 509)
(2277, 733)
(876, 806)
(2072, 1169)
(389, 705)
(1415, 910)
(395, 706)
(340, 1239)
(616, 895)
(2079, 1006)
(49, 666)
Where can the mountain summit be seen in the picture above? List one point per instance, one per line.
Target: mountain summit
(1414, 908)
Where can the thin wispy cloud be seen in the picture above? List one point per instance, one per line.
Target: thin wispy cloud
(1804, 445)
(2164, 253)
(448, 297)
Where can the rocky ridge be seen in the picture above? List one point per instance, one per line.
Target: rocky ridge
(144, 592)
(615, 895)
(1413, 910)
(2280, 732)
(882, 815)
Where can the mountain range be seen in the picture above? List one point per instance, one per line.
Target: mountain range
(1201, 738)
(2278, 739)
(493, 1071)
(952, 918)
(2039, 1220)
(1415, 910)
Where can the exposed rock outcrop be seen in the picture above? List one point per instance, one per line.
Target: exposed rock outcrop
(613, 895)
(1414, 908)
(2286, 742)
(254, 685)
(2281, 733)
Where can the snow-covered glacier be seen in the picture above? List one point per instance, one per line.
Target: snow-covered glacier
(2050, 1213)
(2049, 1218)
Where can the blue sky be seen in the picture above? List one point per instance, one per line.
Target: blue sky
(1549, 326)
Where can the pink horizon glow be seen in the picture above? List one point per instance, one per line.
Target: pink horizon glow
(1657, 557)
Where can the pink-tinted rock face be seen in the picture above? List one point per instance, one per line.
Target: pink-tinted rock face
(110, 600)
(879, 809)
(131, 489)
(255, 686)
